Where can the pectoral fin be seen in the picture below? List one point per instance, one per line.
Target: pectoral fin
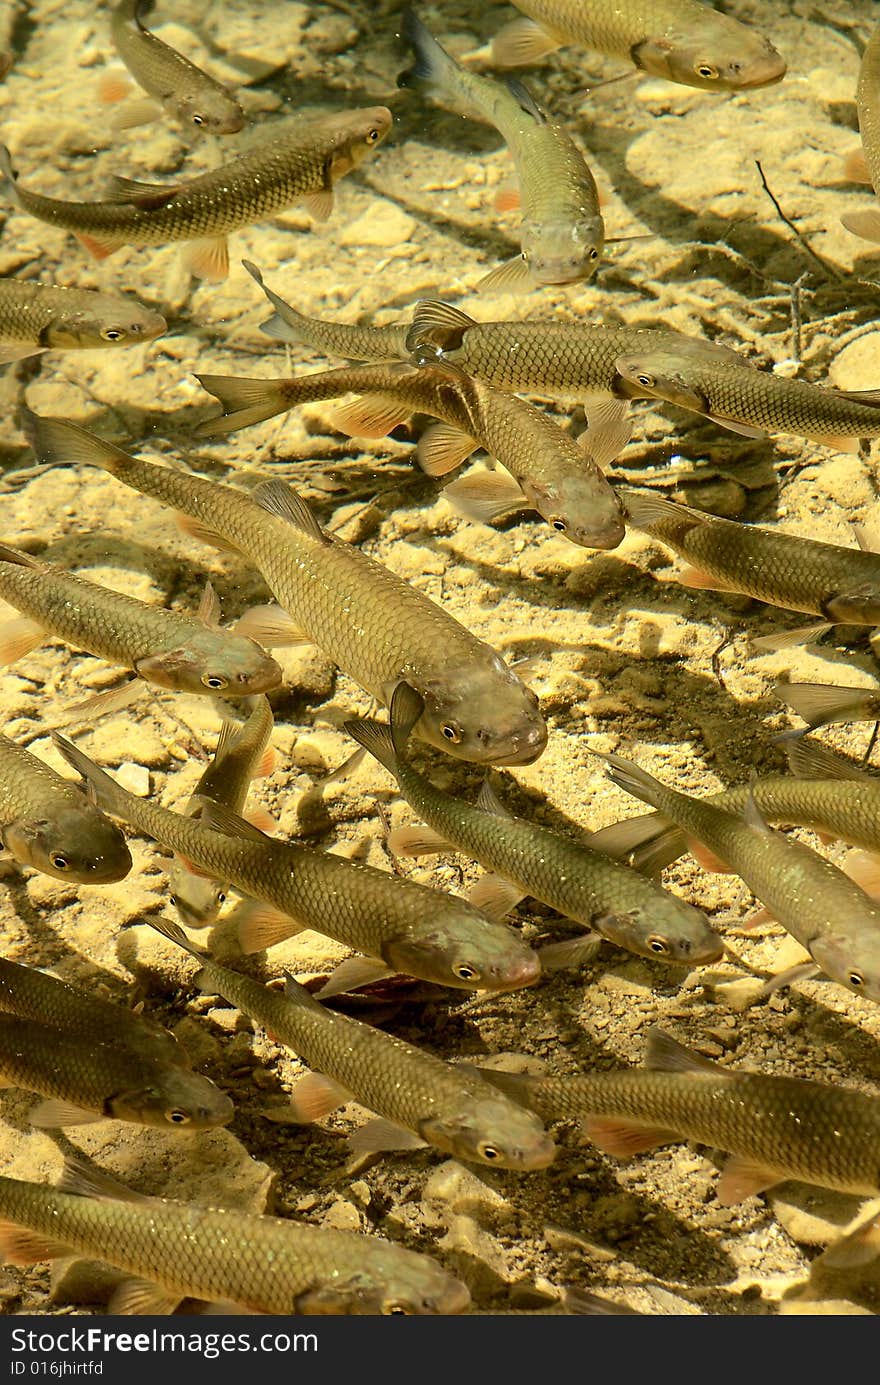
(743, 1178)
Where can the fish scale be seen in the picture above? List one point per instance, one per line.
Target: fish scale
(264, 1263)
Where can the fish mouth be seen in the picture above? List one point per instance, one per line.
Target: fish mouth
(454, 1299)
(523, 748)
(540, 1157)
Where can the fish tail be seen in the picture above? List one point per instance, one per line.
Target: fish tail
(286, 324)
(104, 791)
(433, 64)
(634, 780)
(56, 442)
(244, 401)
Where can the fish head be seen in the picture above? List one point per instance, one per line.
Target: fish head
(712, 56)
(661, 377)
(102, 320)
(481, 712)
(389, 1281)
(197, 899)
(580, 506)
(78, 843)
(676, 933)
(854, 964)
(210, 109)
(562, 252)
(353, 135)
(493, 1131)
(213, 661)
(464, 949)
(179, 1099)
(858, 606)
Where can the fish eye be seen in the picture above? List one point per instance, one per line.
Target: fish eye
(488, 1152)
(707, 70)
(214, 680)
(451, 732)
(856, 979)
(177, 1117)
(395, 1309)
(221, 897)
(646, 380)
(173, 899)
(594, 253)
(658, 944)
(198, 120)
(113, 334)
(372, 136)
(465, 973)
(559, 525)
(59, 862)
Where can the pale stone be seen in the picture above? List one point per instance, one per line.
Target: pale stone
(383, 224)
(134, 778)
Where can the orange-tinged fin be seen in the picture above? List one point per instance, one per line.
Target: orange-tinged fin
(196, 529)
(702, 581)
(19, 1246)
(315, 1096)
(132, 113)
(665, 1054)
(209, 608)
(514, 276)
(801, 971)
(609, 429)
(484, 495)
(790, 639)
(496, 897)
(18, 637)
(207, 258)
(201, 871)
(137, 1296)
(742, 1178)
(379, 1135)
(442, 447)
(220, 818)
(352, 973)
(97, 247)
(762, 915)
(826, 838)
(262, 820)
(625, 1138)
(319, 205)
(865, 224)
(707, 859)
(371, 416)
(113, 87)
(417, 841)
(271, 627)
(574, 952)
(56, 1115)
(855, 166)
(245, 401)
(522, 41)
(148, 196)
(437, 324)
(863, 868)
(113, 700)
(266, 763)
(261, 926)
(282, 501)
(508, 200)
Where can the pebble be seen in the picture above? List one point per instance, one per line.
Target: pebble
(383, 224)
(464, 1191)
(342, 1216)
(134, 778)
(474, 1257)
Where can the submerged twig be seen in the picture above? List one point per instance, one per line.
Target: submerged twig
(801, 239)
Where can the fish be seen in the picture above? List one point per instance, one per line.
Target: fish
(681, 40)
(824, 704)
(300, 162)
(168, 649)
(86, 1080)
(866, 223)
(546, 469)
(848, 810)
(37, 317)
(774, 1128)
(816, 903)
(754, 402)
(48, 823)
(562, 231)
(410, 927)
(35, 995)
(5, 64)
(842, 585)
(374, 625)
(569, 875)
(175, 1251)
(330, 338)
(181, 89)
(242, 754)
(419, 1099)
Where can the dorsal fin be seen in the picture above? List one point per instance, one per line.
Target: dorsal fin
(209, 608)
(219, 818)
(148, 196)
(665, 1054)
(489, 801)
(15, 555)
(438, 324)
(281, 500)
(523, 96)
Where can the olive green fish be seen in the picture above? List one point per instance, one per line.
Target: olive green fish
(48, 823)
(176, 1251)
(418, 1098)
(681, 40)
(866, 223)
(546, 469)
(181, 89)
(824, 704)
(35, 995)
(815, 902)
(562, 231)
(299, 161)
(38, 317)
(753, 402)
(411, 928)
(775, 1128)
(825, 579)
(169, 649)
(86, 1080)
(241, 751)
(579, 882)
(374, 625)
(330, 338)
